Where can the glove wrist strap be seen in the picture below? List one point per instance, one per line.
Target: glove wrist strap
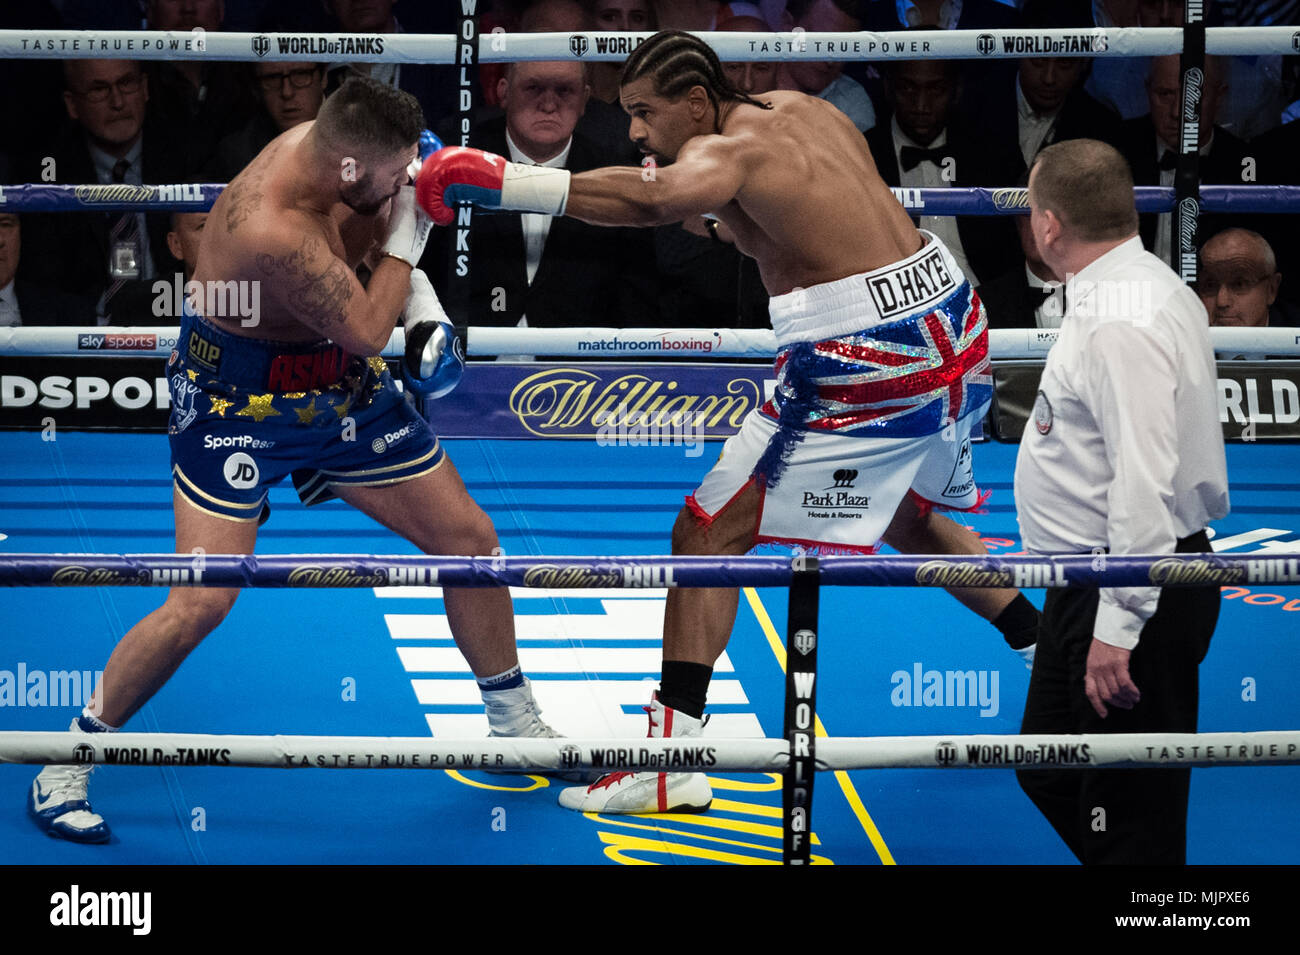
(538, 189)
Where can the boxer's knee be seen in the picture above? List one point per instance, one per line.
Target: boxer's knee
(193, 613)
(470, 533)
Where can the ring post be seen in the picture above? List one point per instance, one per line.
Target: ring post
(800, 707)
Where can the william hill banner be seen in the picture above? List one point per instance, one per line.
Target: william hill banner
(640, 404)
(592, 401)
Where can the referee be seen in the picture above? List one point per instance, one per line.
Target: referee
(1124, 455)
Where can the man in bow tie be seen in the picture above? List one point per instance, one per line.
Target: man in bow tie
(1151, 146)
(924, 143)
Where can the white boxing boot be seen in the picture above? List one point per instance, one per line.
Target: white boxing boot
(648, 792)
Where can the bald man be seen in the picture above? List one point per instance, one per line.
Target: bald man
(1238, 279)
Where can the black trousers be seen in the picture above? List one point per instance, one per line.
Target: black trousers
(1120, 816)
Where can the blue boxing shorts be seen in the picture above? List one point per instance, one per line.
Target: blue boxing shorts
(881, 378)
(246, 413)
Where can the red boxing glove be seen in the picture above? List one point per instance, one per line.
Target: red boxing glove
(460, 174)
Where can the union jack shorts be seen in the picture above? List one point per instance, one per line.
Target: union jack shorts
(880, 380)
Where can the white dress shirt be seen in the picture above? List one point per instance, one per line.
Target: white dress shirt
(1035, 127)
(929, 175)
(849, 96)
(1163, 244)
(536, 227)
(910, 16)
(104, 164)
(1124, 450)
(9, 314)
(1052, 311)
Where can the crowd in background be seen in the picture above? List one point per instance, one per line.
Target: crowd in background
(929, 123)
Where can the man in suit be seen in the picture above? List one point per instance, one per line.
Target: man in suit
(920, 145)
(290, 93)
(21, 302)
(198, 102)
(432, 85)
(538, 270)
(1045, 102)
(1151, 145)
(108, 260)
(1030, 295)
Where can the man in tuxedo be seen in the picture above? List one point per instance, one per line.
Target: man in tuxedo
(1030, 295)
(920, 144)
(538, 270)
(108, 260)
(1151, 145)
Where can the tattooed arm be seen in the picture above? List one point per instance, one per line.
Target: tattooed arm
(304, 277)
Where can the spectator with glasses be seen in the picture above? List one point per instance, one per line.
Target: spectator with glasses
(1238, 281)
(106, 259)
(290, 93)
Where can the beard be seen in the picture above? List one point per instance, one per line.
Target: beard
(360, 198)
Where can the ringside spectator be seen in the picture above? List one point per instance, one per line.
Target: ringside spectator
(537, 270)
(919, 144)
(21, 302)
(108, 260)
(290, 93)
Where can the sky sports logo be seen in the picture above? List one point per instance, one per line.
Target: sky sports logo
(120, 341)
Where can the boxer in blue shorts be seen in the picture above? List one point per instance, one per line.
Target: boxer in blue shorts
(296, 392)
(883, 368)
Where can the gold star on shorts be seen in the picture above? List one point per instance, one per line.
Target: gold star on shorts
(377, 365)
(307, 413)
(259, 407)
(219, 405)
(342, 410)
(194, 375)
(295, 395)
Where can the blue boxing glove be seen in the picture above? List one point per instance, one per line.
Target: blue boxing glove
(434, 360)
(428, 145)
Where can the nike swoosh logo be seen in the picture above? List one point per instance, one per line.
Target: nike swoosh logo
(42, 801)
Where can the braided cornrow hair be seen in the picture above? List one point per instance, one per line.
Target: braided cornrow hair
(676, 61)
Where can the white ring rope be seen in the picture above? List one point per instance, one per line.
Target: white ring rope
(577, 343)
(1271, 748)
(501, 47)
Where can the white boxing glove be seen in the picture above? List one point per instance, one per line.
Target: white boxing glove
(408, 228)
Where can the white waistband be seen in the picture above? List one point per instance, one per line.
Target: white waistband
(914, 286)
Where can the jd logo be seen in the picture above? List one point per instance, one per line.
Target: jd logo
(240, 471)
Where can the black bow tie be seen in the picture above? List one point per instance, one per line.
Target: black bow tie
(1168, 160)
(912, 156)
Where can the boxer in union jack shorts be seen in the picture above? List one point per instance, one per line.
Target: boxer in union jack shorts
(883, 367)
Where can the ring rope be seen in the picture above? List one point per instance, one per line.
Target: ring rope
(593, 46)
(577, 342)
(1086, 751)
(364, 570)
